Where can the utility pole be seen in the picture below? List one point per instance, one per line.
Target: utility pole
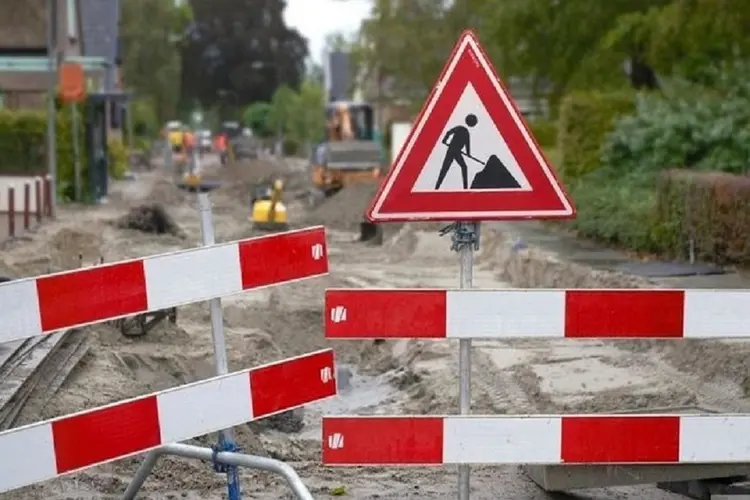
(53, 57)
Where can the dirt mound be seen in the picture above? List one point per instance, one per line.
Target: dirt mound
(167, 193)
(238, 178)
(149, 219)
(344, 210)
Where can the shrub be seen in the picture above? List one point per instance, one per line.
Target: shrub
(616, 210)
(22, 141)
(118, 158)
(698, 130)
(711, 208)
(545, 132)
(585, 120)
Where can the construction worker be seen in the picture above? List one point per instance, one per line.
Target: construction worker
(189, 140)
(221, 147)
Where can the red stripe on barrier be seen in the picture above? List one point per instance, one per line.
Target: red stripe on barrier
(281, 258)
(304, 380)
(635, 439)
(623, 313)
(91, 294)
(105, 434)
(382, 441)
(385, 313)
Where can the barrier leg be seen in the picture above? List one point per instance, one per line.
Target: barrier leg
(230, 459)
(226, 437)
(11, 212)
(26, 206)
(38, 199)
(142, 474)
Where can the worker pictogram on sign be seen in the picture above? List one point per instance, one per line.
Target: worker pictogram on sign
(470, 155)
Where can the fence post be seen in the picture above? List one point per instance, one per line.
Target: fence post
(38, 199)
(48, 195)
(11, 212)
(26, 205)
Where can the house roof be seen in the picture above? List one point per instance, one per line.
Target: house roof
(99, 27)
(23, 24)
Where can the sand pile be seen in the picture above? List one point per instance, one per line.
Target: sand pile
(167, 193)
(346, 209)
(149, 219)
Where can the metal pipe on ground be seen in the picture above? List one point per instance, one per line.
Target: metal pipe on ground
(227, 458)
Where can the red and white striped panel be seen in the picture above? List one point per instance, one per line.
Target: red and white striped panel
(537, 313)
(48, 449)
(58, 301)
(584, 439)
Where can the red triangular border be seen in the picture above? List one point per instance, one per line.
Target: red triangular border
(395, 202)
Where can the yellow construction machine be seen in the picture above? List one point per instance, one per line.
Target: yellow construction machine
(350, 154)
(268, 211)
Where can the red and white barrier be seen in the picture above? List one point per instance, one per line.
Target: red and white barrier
(59, 446)
(58, 301)
(537, 439)
(536, 313)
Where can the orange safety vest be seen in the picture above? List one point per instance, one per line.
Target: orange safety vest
(189, 139)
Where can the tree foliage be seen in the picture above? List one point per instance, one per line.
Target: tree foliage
(558, 45)
(151, 33)
(242, 46)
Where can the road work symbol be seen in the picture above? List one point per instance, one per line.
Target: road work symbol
(494, 175)
(336, 441)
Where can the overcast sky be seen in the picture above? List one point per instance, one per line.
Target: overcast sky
(316, 18)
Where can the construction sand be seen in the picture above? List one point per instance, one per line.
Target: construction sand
(391, 377)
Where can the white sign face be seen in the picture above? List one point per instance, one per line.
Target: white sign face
(470, 122)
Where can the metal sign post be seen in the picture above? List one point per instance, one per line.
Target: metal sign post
(226, 437)
(464, 240)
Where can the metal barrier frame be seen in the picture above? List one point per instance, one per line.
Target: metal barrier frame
(283, 469)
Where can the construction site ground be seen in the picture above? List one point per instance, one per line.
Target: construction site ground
(396, 377)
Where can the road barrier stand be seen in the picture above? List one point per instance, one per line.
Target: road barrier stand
(647, 448)
(106, 292)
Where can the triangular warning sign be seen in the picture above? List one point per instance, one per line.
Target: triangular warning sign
(470, 156)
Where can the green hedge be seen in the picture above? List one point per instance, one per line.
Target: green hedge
(23, 144)
(711, 208)
(585, 120)
(545, 132)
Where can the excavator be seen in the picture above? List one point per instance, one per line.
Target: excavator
(268, 211)
(349, 155)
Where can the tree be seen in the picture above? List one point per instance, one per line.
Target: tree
(283, 104)
(307, 123)
(242, 46)
(151, 34)
(256, 117)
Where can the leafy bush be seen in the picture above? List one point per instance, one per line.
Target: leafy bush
(616, 210)
(545, 132)
(712, 208)
(118, 158)
(696, 131)
(22, 142)
(585, 120)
